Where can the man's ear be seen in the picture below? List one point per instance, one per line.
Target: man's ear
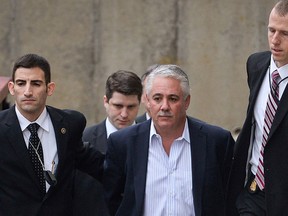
(105, 101)
(11, 87)
(187, 102)
(50, 88)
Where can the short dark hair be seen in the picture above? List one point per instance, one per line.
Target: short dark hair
(32, 61)
(124, 82)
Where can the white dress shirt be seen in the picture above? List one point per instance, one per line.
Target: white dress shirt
(110, 127)
(47, 137)
(169, 178)
(260, 107)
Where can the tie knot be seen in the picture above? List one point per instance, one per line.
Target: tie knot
(33, 128)
(275, 76)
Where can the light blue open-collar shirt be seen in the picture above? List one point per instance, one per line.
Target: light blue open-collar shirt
(169, 188)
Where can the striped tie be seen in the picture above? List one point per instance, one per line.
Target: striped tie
(271, 107)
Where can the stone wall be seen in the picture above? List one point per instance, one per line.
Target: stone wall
(85, 41)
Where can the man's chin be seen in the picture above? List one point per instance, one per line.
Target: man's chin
(29, 108)
(165, 123)
(121, 126)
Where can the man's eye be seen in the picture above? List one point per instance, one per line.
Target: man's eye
(173, 99)
(118, 106)
(20, 83)
(36, 83)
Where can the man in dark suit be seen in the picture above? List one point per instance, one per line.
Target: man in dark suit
(122, 101)
(38, 179)
(171, 164)
(145, 116)
(261, 148)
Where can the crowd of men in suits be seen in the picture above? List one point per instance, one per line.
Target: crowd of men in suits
(161, 163)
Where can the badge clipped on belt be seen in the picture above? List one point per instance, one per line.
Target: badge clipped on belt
(253, 186)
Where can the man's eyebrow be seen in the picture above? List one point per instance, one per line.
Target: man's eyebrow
(37, 81)
(32, 81)
(20, 80)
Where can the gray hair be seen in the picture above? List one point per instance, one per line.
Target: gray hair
(169, 71)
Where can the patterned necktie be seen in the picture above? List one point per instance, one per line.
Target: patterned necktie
(271, 107)
(36, 154)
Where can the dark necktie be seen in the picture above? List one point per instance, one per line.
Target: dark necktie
(36, 154)
(271, 107)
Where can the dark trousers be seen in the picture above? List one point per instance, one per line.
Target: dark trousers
(251, 203)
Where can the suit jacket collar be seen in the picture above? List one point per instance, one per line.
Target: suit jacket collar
(140, 162)
(198, 144)
(15, 137)
(97, 136)
(198, 151)
(259, 75)
(100, 129)
(281, 112)
(61, 129)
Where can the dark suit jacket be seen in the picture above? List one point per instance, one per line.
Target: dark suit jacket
(125, 168)
(276, 150)
(19, 189)
(141, 118)
(89, 193)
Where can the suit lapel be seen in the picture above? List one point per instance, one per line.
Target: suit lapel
(198, 153)
(141, 147)
(15, 137)
(61, 129)
(283, 105)
(100, 136)
(257, 78)
(281, 112)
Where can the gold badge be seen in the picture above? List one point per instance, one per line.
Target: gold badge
(253, 186)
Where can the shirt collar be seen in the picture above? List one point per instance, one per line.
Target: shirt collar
(283, 71)
(110, 128)
(42, 120)
(185, 135)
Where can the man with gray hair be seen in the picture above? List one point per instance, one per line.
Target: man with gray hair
(171, 164)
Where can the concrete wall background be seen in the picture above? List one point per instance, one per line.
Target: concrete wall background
(85, 41)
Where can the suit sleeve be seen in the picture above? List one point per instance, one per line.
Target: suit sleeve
(88, 159)
(114, 174)
(227, 162)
